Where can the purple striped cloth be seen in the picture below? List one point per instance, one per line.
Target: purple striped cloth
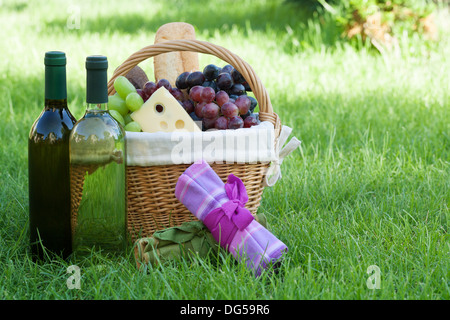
(221, 207)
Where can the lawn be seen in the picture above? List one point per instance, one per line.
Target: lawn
(370, 185)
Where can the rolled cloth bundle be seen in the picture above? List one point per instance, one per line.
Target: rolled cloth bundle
(221, 207)
(190, 238)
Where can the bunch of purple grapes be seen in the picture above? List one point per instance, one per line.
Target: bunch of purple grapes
(217, 97)
(150, 87)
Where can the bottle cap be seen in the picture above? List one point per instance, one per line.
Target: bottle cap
(96, 79)
(55, 75)
(55, 58)
(96, 62)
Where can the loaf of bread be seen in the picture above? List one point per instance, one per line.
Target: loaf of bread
(170, 65)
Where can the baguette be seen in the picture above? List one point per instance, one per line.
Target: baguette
(170, 65)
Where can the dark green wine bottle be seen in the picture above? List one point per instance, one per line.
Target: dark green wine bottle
(48, 165)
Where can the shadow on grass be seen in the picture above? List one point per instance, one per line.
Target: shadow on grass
(281, 18)
(17, 6)
(204, 17)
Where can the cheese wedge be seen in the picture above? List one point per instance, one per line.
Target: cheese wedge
(162, 112)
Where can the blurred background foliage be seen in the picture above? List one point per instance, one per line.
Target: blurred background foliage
(381, 22)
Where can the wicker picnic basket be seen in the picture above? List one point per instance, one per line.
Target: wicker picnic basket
(152, 204)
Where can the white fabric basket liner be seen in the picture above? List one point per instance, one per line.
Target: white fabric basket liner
(246, 145)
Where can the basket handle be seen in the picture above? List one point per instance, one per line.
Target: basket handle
(265, 106)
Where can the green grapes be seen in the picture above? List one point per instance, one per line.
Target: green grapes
(115, 102)
(116, 115)
(134, 101)
(133, 126)
(123, 87)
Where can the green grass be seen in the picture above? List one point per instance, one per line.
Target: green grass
(370, 184)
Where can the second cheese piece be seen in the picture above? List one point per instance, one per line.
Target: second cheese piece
(162, 112)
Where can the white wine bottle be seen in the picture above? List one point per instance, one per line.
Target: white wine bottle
(98, 171)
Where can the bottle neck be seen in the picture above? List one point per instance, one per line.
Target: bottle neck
(95, 107)
(56, 103)
(96, 89)
(55, 83)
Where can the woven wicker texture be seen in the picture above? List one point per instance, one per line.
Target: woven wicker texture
(152, 204)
